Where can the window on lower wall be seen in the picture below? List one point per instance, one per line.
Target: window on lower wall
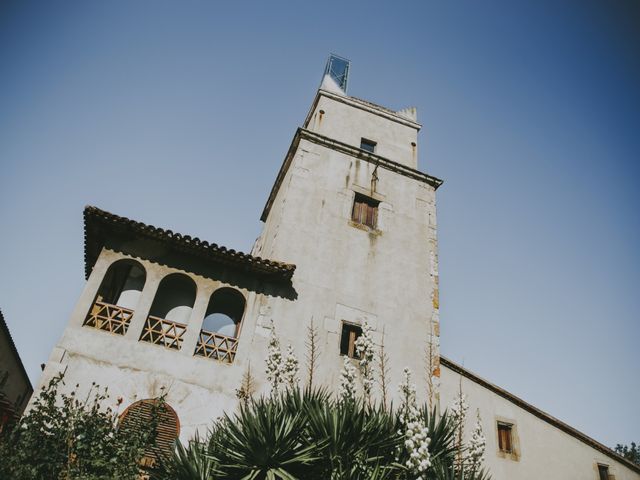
(603, 472)
(143, 413)
(505, 440)
(350, 334)
(365, 211)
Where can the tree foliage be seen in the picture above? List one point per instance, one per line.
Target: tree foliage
(630, 452)
(64, 437)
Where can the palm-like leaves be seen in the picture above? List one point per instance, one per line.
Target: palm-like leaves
(263, 441)
(191, 462)
(308, 435)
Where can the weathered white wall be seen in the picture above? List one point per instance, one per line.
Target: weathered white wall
(199, 389)
(349, 120)
(543, 450)
(386, 277)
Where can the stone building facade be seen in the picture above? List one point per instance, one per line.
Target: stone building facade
(349, 238)
(15, 387)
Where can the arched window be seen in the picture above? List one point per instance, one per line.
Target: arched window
(170, 311)
(221, 325)
(117, 297)
(142, 414)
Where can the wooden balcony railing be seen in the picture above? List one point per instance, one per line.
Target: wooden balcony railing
(110, 318)
(163, 332)
(216, 346)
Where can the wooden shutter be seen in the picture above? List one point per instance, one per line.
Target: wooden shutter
(504, 438)
(140, 414)
(365, 211)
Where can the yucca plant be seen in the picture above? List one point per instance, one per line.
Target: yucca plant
(264, 440)
(309, 435)
(190, 463)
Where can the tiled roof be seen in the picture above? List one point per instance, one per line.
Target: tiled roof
(98, 223)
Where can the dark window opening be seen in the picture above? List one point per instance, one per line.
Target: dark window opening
(505, 443)
(365, 211)
(174, 299)
(350, 334)
(224, 313)
(368, 145)
(603, 471)
(117, 297)
(124, 279)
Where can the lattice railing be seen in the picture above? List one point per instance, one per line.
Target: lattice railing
(110, 318)
(216, 346)
(163, 332)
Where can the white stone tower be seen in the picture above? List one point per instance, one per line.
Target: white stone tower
(352, 212)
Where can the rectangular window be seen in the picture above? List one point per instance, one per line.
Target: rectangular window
(368, 145)
(350, 334)
(603, 471)
(505, 443)
(365, 211)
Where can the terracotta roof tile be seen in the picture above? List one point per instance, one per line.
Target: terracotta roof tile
(95, 220)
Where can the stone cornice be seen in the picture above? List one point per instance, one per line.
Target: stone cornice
(382, 162)
(362, 105)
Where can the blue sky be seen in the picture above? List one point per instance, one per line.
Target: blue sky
(178, 114)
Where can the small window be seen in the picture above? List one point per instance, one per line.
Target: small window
(505, 443)
(365, 211)
(368, 145)
(350, 334)
(603, 471)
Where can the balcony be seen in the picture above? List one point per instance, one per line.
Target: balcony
(108, 317)
(216, 346)
(163, 332)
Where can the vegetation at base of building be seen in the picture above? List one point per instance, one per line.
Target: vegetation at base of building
(311, 435)
(63, 437)
(630, 452)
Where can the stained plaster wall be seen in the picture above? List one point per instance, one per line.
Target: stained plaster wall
(346, 272)
(349, 120)
(199, 389)
(541, 449)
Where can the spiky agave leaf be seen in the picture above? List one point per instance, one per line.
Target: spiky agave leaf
(442, 434)
(263, 440)
(189, 463)
(352, 438)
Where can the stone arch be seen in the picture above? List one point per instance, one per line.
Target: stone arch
(225, 312)
(122, 284)
(174, 299)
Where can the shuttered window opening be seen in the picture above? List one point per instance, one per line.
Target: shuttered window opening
(143, 413)
(350, 334)
(505, 443)
(603, 472)
(365, 211)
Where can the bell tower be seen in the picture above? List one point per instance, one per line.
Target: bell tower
(350, 209)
